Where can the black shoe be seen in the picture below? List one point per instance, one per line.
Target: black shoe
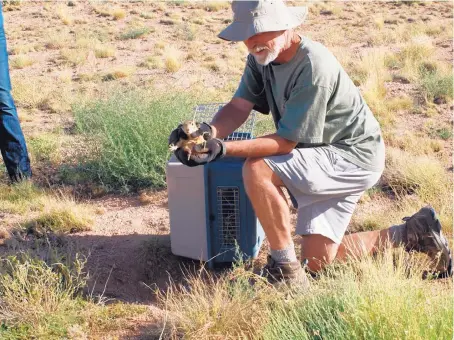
(423, 234)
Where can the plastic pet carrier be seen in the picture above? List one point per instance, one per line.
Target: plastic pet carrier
(211, 216)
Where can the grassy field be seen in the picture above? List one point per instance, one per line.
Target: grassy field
(100, 84)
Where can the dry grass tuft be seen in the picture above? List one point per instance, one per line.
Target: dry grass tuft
(57, 41)
(64, 15)
(118, 13)
(411, 58)
(119, 72)
(74, 56)
(424, 177)
(153, 63)
(21, 61)
(24, 49)
(45, 94)
(172, 59)
(104, 51)
(61, 216)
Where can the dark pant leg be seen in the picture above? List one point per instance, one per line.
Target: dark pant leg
(12, 141)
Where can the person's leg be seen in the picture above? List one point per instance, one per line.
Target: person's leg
(320, 250)
(12, 141)
(420, 232)
(264, 189)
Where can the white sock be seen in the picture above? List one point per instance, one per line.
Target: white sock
(287, 254)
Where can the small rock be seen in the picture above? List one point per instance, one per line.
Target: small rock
(440, 100)
(326, 12)
(411, 20)
(400, 79)
(166, 22)
(71, 3)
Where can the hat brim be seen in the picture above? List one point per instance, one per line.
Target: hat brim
(240, 31)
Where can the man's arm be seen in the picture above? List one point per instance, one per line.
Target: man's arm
(260, 147)
(230, 117)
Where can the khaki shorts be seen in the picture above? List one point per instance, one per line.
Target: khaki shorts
(325, 186)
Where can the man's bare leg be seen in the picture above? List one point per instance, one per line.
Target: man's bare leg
(320, 250)
(264, 189)
(421, 232)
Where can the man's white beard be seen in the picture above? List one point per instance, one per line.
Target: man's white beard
(268, 58)
(272, 54)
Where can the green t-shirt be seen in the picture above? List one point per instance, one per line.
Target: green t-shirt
(314, 102)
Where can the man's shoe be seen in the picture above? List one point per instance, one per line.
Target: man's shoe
(423, 234)
(290, 273)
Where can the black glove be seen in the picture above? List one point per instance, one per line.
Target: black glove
(206, 130)
(216, 150)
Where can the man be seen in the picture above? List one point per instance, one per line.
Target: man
(12, 141)
(327, 149)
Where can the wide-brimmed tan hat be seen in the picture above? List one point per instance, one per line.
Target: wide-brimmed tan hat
(253, 17)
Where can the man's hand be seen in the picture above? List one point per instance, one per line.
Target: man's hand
(216, 150)
(206, 130)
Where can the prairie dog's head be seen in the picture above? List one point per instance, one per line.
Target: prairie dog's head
(189, 126)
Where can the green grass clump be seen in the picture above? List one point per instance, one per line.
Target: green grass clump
(371, 299)
(436, 85)
(39, 300)
(45, 148)
(67, 218)
(20, 198)
(135, 33)
(131, 130)
(366, 298)
(42, 299)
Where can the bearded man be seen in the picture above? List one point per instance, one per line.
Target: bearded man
(326, 151)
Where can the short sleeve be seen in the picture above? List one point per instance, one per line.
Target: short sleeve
(252, 87)
(304, 115)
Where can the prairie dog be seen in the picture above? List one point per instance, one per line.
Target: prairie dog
(191, 129)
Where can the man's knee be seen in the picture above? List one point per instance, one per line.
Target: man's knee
(318, 250)
(257, 171)
(254, 169)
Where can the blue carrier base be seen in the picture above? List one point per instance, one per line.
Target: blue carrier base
(232, 227)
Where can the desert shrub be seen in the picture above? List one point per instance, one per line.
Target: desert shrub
(131, 132)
